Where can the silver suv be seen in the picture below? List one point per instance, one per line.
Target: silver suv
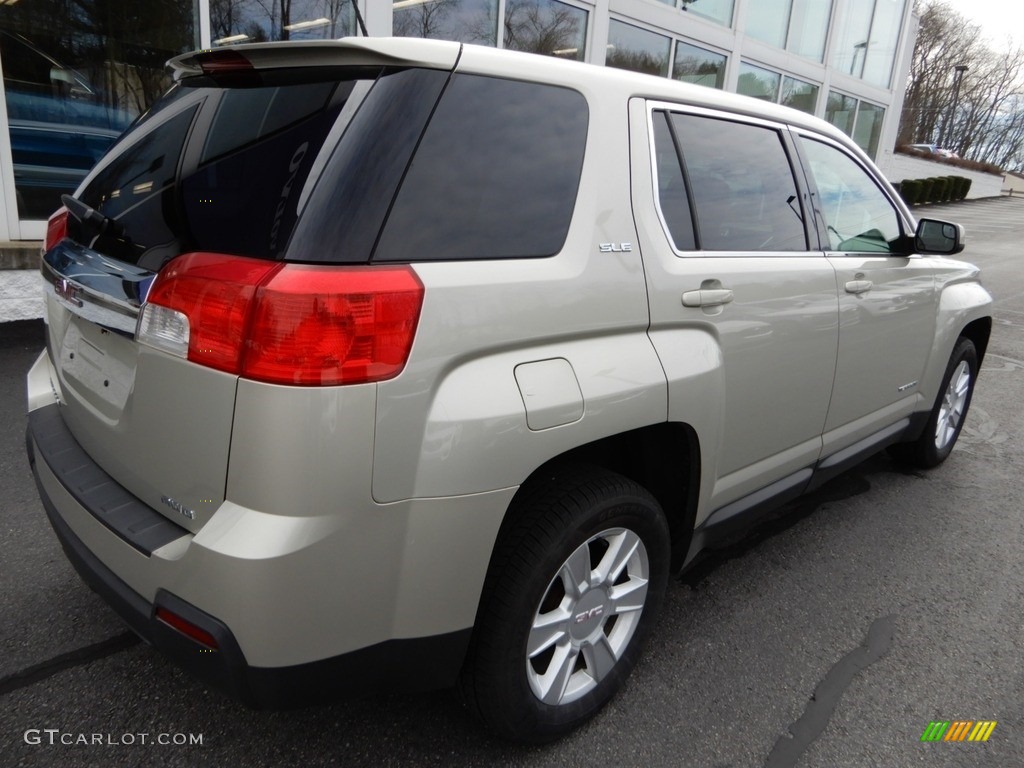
(383, 364)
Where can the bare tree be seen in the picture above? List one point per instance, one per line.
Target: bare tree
(637, 61)
(226, 18)
(429, 19)
(333, 10)
(962, 91)
(534, 28)
(988, 106)
(944, 41)
(279, 16)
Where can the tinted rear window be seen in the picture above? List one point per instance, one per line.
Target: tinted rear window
(220, 169)
(495, 176)
(254, 160)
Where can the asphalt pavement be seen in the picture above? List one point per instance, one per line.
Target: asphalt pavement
(833, 635)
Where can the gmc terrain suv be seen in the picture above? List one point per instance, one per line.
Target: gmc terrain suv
(401, 363)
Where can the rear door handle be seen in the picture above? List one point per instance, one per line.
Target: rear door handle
(858, 286)
(707, 297)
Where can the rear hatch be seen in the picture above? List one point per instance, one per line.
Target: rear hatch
(212, 182)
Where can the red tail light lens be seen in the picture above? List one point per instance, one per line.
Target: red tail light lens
(214, 292)
(285, 323)
(56, 228)
(187, 628)
(317, 325)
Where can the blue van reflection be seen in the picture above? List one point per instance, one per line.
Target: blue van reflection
(59, 123)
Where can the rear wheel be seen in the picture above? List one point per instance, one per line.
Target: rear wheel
(574, 585)
(948, 414)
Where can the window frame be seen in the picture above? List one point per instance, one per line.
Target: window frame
(796, 161)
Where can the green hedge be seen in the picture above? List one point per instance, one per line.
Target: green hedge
(910, 190)
(954, 185)
(935, 189)
(927, 185)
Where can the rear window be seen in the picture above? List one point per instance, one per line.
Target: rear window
(253, 161)
(221, 169)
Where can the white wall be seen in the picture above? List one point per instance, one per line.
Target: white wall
(897, 166)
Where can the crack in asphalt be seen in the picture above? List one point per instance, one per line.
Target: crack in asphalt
(75, 658)
(791, 745)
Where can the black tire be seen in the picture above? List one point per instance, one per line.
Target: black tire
(597, 634)
(948, 414)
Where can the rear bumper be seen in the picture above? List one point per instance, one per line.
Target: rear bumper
(418, 663)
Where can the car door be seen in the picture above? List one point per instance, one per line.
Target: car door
(886, 296)
(743, 309)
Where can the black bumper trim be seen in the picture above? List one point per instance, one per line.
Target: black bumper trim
(126, 515)
(413, 664)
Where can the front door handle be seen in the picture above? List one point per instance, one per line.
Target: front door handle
(707, 297)
(858, 286)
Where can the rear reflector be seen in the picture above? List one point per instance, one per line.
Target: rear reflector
(187, 628)
(306, 325)
(56, 228)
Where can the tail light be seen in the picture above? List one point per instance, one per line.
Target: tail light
(56, 228)
(311, 325)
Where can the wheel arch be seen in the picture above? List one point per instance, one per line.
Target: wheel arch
(979, 331)
(664, 458)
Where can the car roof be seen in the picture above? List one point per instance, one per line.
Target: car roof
(598, 81)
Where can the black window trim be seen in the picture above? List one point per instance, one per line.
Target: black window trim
(796, 161)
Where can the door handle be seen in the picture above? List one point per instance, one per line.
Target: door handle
(858, 286)
(707, 297)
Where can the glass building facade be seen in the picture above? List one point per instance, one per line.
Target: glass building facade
(77, 72)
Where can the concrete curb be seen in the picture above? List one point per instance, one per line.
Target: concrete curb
(20, 255)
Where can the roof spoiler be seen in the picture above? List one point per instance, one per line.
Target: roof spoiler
(350, 51)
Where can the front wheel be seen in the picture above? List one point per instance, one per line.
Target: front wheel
(574, 585)
(948, 414)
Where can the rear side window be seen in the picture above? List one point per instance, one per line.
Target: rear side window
(742, 185)
(495, 176)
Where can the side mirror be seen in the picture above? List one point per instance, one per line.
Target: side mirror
(939, 237)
